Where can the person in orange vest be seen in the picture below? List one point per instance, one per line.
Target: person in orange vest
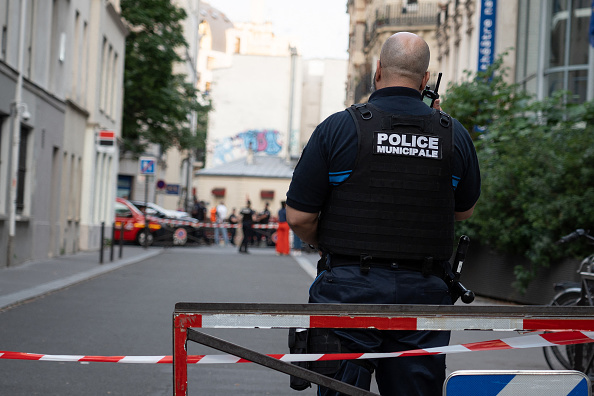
(282, 233)
(213, 214)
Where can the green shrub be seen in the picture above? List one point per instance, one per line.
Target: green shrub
(537, 168)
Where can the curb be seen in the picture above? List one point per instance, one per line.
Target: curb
(49, 287)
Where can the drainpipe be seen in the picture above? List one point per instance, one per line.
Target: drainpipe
(16, 139)
(193, 61)
(291, 103)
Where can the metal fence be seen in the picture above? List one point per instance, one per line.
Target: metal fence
(399, 16)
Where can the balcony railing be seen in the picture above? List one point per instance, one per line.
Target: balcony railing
(399, 17)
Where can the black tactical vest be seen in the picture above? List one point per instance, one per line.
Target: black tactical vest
(398, 202)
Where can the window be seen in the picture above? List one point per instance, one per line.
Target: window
(52, 57)
(29, 50)
(108, 82)
(122, 210)
(22, 171)
(104, 60)
(114, 82)
(558, 33)
(84, 63)
(124, 186)
(3, 161)
(3, 42)
(76, 59)
(567, 61)
(553, 48)
(528, 44)
(3, 29)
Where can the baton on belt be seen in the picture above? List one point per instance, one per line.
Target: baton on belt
(457, 289)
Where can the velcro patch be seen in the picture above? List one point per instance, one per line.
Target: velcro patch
(407, 144)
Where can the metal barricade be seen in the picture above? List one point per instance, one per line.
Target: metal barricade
(189, 316)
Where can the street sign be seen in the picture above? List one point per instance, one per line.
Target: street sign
(161, 184)
(172, 189)
(517, 382)
(148, 165)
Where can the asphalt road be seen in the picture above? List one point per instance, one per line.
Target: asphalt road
(128, 312)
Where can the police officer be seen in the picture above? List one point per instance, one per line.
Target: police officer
(247, 221)
(377, 190)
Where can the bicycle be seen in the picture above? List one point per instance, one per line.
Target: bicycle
(574, 357)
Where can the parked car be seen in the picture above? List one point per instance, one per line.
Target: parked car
(176, 226)
(160, 211)
(132, 220)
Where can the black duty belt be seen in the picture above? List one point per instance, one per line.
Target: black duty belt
(426, 267)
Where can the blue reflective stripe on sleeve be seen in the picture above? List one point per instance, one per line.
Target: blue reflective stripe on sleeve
(338, 177)
(455, 181)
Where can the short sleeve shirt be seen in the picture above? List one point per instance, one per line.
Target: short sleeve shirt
(247, 214)
(330, 155)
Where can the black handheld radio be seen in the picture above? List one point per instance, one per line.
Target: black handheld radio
(430, 96)
(457, 289)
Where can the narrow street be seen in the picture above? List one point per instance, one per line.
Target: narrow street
(128, 312)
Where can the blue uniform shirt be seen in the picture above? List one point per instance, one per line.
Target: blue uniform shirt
(329, 156)
(282, 215)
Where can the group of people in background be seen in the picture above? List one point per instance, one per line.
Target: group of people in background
(248, 217)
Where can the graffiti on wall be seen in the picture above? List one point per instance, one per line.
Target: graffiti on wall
(235, 147)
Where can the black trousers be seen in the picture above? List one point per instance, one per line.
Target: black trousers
(248, 233)
(400, 376)
(232, 232)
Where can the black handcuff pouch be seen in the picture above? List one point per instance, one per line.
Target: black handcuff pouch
(319, 341)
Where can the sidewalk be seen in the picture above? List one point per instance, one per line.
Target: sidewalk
(36, 278)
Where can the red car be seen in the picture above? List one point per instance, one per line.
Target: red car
(133, 221)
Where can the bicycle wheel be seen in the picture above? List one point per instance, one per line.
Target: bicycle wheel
(562, 357)
(581, 357)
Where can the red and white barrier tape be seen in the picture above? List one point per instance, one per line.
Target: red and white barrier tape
(228, 225)
(522, 342)
(171, 222)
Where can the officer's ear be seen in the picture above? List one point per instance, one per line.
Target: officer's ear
(425, 81)
(378, 71)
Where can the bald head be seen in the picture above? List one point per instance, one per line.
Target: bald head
(404, 60)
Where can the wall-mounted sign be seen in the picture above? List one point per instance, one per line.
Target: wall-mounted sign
(218, 192)
(105, 141)
(267, 194)
(172, 189)
(487, 30)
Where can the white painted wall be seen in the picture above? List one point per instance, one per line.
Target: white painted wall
(251, 94)
(324, 93)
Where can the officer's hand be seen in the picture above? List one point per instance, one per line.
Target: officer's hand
(436, 104)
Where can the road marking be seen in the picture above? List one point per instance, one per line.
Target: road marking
(306, 265)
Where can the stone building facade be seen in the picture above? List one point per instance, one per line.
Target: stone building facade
(371, 23)
(547, 41)
(61, 73)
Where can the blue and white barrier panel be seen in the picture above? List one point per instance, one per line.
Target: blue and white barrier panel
(516, 383)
